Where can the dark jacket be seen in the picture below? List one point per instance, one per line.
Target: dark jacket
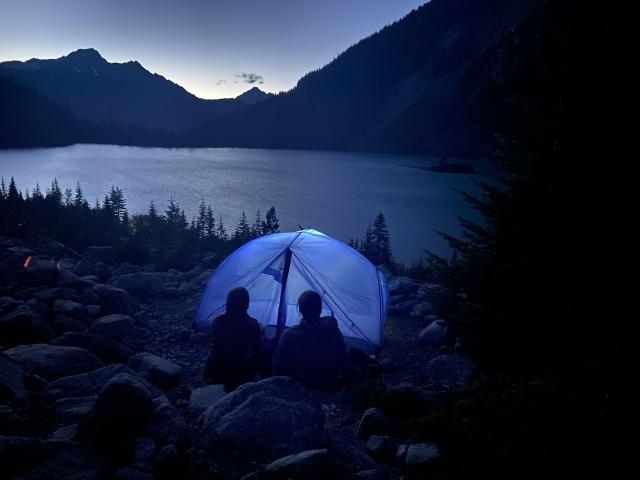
(237, 349)
(314, 354)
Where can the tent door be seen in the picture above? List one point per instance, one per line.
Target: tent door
(282, 306)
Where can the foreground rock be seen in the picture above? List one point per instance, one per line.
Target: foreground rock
(312, 464)
(143, 284)
(203, 398)
(273, 416)
(161, 372)
(422, 456)
(52, 362)
(121, 411)
(437, 333)
(23, 326)
(11, 380)
(452, 371)
(106, 349)
(33, 459)
(114, 326)
(373, 422)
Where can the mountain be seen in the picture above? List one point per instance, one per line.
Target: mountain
(117, 93)
(437, 81)
(254, 95)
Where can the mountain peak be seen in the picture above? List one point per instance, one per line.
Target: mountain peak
(86, 55)
(253, 95)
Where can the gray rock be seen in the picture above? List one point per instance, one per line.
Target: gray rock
(55, 459)
(52, 362)
(64, 323)
(312, 464)
(39, 307)
(88, 297)
(437, 333)
(8, 305)
(161, 372)
(115, 326)
(396, 299)
(276, 415)
(90, 383)
(128, 473)
(166, 424)
(105, 348)
(11, 380)
(422, 309)
(373, 422)
(203, 398)
(401, 453)
(452, 371)
(114, 300)
(50, 295)
(68, 432)
(126, 269)
(168, 462)
(144, 449)
(381, 447)
(402, 308)
(92, 311)
(69, 307)
(71, 280)
(143, 284)
(23, 326)
(403, 286)
(121, 411)
(421, 456)
(73, 409)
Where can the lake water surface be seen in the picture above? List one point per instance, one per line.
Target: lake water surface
(337, 193)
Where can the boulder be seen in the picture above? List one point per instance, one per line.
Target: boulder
(121, 411)
(276, 415)
(50, 295)
(84, 384)
(40, 272)
(452, 371)
(373, 422)
(11, 380)
(437, 333)
(88, 297)
(52, 362)
(8, 305)
(403, 308)
(421, 456)
(161, 372)
(422, 309)
(92, 311)
(105, 348)
(34, 459)
(396, 299)
(114, 300)
(126, 268)
(381, 447)
(166, 424)
(23, 326)
(115, 326)
(39, 307)
(69, 307)
(202, 398)
(403, 286)
(64, 323)
(71, 280)
(144, 449)
(73, 409)
(308, 465)
(143, 284)
(169, 463)
(128, 473)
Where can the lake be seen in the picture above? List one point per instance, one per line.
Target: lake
(338, 193)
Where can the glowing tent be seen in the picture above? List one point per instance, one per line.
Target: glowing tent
(277, 268)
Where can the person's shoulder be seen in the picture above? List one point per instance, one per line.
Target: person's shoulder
(329, 321)
(218, 320)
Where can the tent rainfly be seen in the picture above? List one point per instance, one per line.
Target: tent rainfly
(277, 268)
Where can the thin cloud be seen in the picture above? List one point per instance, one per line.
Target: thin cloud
(220, 82)
(250, 77)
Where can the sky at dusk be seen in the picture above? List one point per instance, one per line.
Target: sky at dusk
(214, 48)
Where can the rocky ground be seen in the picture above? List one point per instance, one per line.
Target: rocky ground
(100, 377)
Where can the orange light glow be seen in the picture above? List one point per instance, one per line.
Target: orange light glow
(27, 262)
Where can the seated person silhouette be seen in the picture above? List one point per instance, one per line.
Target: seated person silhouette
(313, 352)
(239, 348)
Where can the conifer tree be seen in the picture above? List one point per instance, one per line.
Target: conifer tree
(243, 231)
(271, 223)
(258, 226)
(210, 223)
(221, 232)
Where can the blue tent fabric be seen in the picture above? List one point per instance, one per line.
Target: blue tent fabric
(353, 290)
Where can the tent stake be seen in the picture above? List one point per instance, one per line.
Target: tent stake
(282, 318)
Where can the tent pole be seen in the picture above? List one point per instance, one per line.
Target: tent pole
(280, 324)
